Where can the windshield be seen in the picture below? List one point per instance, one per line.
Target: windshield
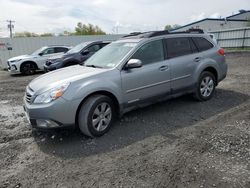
(39, 51)
(77, 48)
(110, 55)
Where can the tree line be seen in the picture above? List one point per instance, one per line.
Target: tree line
(80, 29)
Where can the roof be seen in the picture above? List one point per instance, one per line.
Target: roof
(210, 19)
(243, 12)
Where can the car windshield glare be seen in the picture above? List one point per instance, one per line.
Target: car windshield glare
(39, 51)
(110, 55)
(77, 48)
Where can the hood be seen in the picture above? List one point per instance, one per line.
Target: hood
(64, 75)
(20, 57)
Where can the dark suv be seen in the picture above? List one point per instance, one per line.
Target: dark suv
(76, 55)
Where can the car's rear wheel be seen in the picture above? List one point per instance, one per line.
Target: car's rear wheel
(206, 86)
(28, 68)
(96, 115)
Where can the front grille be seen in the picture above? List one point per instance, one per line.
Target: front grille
(29, 95)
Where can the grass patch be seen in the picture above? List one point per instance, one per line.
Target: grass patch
(245, 49)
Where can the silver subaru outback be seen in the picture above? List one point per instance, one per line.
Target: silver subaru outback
(138, 69)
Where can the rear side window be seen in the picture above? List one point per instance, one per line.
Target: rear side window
(150, 52)
(178, 47)
(202, 43)
(60, 49)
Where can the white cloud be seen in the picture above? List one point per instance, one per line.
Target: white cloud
(57, 15)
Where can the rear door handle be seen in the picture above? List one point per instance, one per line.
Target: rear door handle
(163, 68)
(197, 59)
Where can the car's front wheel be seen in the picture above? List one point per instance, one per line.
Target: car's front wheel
(206, 86)
(28, 68)
(96, 115)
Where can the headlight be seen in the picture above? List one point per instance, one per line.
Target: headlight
(51, 94)
(13, 61)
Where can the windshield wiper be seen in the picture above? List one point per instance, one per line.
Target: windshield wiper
(94, 66)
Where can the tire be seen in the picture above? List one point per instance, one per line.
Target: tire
(206, 86)
(28, 68)
(96, 115)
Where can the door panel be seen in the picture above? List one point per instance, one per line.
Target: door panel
(183, 58)
(145, 82)
(150, 80)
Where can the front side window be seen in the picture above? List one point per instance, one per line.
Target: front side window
(202, 43)
(94, 48)
(178, 47)
(150, 52)
(49, 51)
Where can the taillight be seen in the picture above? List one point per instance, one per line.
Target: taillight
(221, 51)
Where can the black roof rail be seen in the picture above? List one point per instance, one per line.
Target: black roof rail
(195, 31)
(132, 34)
(159, 33)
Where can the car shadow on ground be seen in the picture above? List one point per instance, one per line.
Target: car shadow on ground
(157, 119)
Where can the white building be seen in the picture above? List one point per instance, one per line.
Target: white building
(215, 24)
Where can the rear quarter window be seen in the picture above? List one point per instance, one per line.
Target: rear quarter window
(202, 43)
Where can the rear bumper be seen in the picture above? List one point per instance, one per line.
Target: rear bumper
(223, 74)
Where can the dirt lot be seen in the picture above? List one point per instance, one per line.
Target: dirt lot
(178, 143)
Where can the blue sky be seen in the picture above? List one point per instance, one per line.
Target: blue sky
(131, 15)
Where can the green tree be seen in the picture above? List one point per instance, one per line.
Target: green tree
(25, 34)
(170, 27)
(88, 29)
(47, 35)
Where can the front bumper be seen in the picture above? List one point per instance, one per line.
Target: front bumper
(13, 69)
(49, 68)
(58, 113)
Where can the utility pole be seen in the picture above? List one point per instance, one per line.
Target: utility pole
(10, 26)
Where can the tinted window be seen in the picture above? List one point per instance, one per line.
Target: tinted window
(94, 48)
(49, 51)
(202, 43)
(103, 44)
(60, 49)
(178, 47)
(150, 52)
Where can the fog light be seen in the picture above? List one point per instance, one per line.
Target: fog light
(43, 123)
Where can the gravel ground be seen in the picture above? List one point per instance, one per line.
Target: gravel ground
(177, 143)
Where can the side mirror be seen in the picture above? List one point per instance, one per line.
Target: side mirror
(133, 63)
(85, 52)
(41, 54)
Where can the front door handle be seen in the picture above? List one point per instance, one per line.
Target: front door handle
(197, 59)
(163, 68)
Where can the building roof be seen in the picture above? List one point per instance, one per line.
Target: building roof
(241, 12)
(211, 19)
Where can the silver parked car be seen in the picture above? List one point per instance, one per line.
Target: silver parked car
(137, 69)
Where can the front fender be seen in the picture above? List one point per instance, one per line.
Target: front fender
(81, 91)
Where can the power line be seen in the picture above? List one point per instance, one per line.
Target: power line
(10, 26)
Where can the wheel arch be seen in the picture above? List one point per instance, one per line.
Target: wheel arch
(28, 61)
(101, 92)
(213, 71)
